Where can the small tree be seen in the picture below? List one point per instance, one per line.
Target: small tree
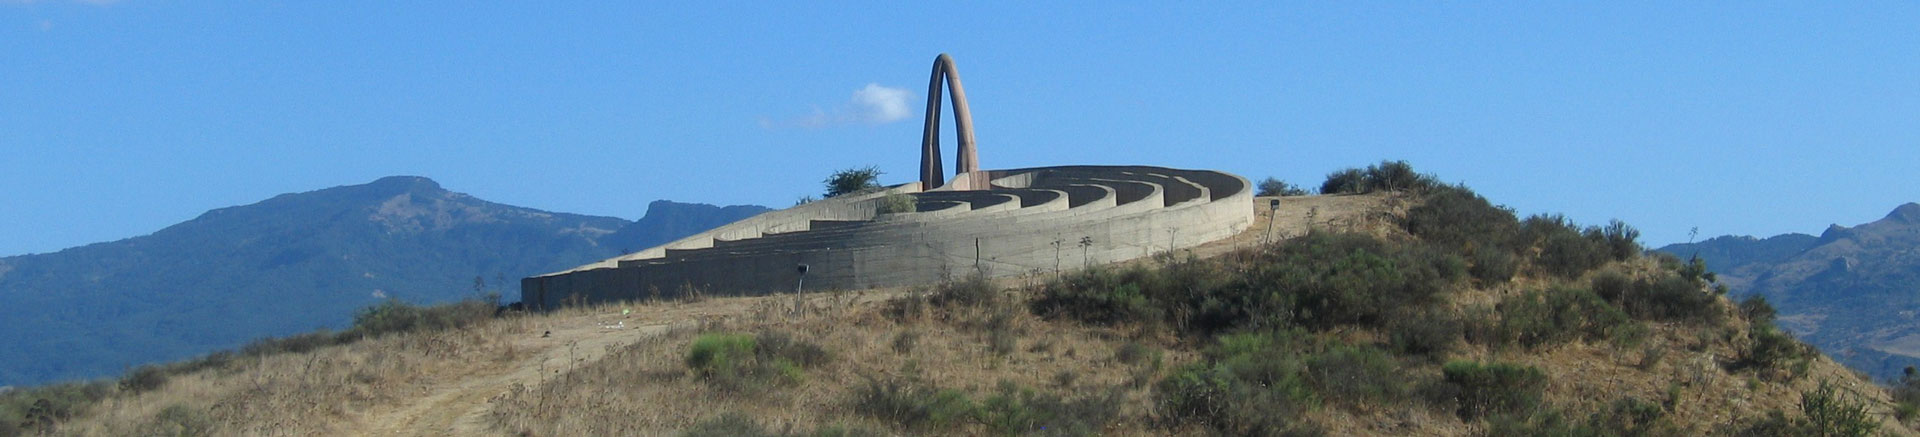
(1396, 176)
(1275, 187)
(852, 180)
(895, 203)
(1348, 181)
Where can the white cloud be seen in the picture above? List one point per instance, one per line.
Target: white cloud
(882, 104)
(873, 104)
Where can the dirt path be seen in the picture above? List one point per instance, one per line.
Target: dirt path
(456, 404)
(456, 401)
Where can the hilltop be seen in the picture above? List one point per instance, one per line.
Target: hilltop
(1384, 308)
(291, 264)
(1848, 291)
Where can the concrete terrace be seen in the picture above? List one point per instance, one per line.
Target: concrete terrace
(1024, 221)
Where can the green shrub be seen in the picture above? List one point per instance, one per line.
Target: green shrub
(1906, 394)
(1625, 417)
(1664, 296)
(973, 290)
(905, 341)
(1216, 397)
(1824, 412)
(1327, 279)
(1567, 251)
(1495, 388)
(1456, 217)
(729, 424)
(1321, 280)
(1673, 298)
(1356, 375)
(911, 404)
(895, 203)
(143, 379)
(748, 363)
(1385, 176)
(1770, 349)
(1774, 423)
(1276, 187)
(1135, 353)
(300, 343)
(1631, 416)
(1136, 294)
(1492, 265)
(1431, 332)
(1829, 413)
(1002, 340)
(1695, 268)
(1015, 410)
(1250, 383)
(1397, 176)
(1613, 286)
(1537, 228)
(394, 316)
(1757, 310)
(1542, 318)
(179, 420)
(852, 180)
(1622, 241)
(780, 346)
(1348, 181)
(719, 354)
(1569, 254)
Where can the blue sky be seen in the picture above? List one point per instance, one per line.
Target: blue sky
(118, 118)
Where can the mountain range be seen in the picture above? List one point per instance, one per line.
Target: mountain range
(291, 264)
(1852, 291)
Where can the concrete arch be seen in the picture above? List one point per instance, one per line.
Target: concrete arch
(968, 160)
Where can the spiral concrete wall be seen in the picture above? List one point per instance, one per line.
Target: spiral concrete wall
(1024, 221)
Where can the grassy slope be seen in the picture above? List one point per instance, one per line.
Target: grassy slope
(599, 371)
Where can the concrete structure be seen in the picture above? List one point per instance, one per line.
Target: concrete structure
(967, 159)
(998, 223)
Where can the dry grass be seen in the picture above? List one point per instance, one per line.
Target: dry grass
(621, 369)
(319, 392)
(951, 348)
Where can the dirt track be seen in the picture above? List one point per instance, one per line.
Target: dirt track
(457, 403)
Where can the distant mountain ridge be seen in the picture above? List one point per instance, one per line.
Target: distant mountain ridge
(1852, 291)
(290, 264)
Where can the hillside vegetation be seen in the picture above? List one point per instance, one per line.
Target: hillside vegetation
(1431, 312)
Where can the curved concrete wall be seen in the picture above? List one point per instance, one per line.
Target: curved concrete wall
(1030, 220)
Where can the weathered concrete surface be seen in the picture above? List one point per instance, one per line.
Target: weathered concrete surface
(968, 159)
(1028, 220)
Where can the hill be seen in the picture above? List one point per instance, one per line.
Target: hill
(1850, 291)
(1421, 312)
(289, 264)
